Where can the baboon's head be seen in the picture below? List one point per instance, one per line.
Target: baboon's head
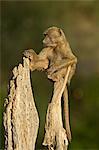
(53, 36)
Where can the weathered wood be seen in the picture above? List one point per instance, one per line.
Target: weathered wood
(21, 120)
(55, 134)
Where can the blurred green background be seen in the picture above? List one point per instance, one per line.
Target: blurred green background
(22, 25)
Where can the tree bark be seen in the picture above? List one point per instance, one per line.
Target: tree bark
(21, 119)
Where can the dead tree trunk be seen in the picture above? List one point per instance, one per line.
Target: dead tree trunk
(21, 120)
(55, 134)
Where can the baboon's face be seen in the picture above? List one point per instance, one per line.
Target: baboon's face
(51, 37)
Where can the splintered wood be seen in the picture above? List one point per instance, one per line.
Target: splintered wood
(21, 120)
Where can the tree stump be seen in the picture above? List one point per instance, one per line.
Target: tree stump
(21, 120)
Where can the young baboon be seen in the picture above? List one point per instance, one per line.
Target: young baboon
(55, 58)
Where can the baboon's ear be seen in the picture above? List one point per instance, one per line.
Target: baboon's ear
(60, 31)
(62, 34)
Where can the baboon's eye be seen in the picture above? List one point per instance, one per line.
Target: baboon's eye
(45, 34)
